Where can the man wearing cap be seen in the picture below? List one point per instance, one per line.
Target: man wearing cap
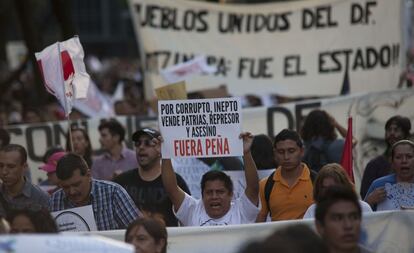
(50, 168)
(144, 184)
(117, 158)
(16, 191)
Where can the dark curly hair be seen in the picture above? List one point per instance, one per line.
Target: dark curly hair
(318, 124)
(400, 121)
(41, 219)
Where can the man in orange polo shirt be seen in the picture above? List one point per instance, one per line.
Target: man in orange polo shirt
(287, 193)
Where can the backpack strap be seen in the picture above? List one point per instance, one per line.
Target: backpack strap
(268, 189)
(313, 175)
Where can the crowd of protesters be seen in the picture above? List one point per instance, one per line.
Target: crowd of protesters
(140, 192)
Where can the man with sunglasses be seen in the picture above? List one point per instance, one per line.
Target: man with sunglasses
(144, 184)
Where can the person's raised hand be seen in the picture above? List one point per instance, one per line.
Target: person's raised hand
(247, 141)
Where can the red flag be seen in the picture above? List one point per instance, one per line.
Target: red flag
(347, 160)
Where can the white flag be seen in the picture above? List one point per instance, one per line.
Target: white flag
(183, 71)
(97, 104)
(65, 78)
(119, 92)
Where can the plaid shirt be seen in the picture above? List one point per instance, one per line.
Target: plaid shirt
(112, 206)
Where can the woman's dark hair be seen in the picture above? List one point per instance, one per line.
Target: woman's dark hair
(155, 228)
(318, 124)
(401, 122)
(88, 152)
(262, 152)
(41, 219)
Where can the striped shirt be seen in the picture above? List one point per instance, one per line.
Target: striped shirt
(112, 206)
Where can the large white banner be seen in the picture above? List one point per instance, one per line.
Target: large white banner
(61, 243)
(294, 48)
(382, 232)
(369, 110)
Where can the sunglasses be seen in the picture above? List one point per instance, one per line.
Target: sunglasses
(147, 143)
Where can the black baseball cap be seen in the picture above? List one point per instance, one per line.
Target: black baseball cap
(147, 131)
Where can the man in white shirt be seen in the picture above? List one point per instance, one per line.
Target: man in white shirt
(217, 206)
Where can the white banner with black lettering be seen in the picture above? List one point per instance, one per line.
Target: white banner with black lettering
(292, 48)
(382, 232)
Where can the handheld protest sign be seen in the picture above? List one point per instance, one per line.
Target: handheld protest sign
(200, 127)
(172, 91)
(75, 219)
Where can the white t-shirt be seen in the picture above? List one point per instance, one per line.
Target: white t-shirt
(310, 213)
(193, 213)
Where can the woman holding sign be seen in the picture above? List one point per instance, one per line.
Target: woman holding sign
(395, 191)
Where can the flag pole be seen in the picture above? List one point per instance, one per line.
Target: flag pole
(63, 81)
(67, 111)
(70, 133)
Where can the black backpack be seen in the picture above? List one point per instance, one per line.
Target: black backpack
(270, 183)
(316, 157)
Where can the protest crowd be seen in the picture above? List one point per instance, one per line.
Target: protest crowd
(135, 182)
